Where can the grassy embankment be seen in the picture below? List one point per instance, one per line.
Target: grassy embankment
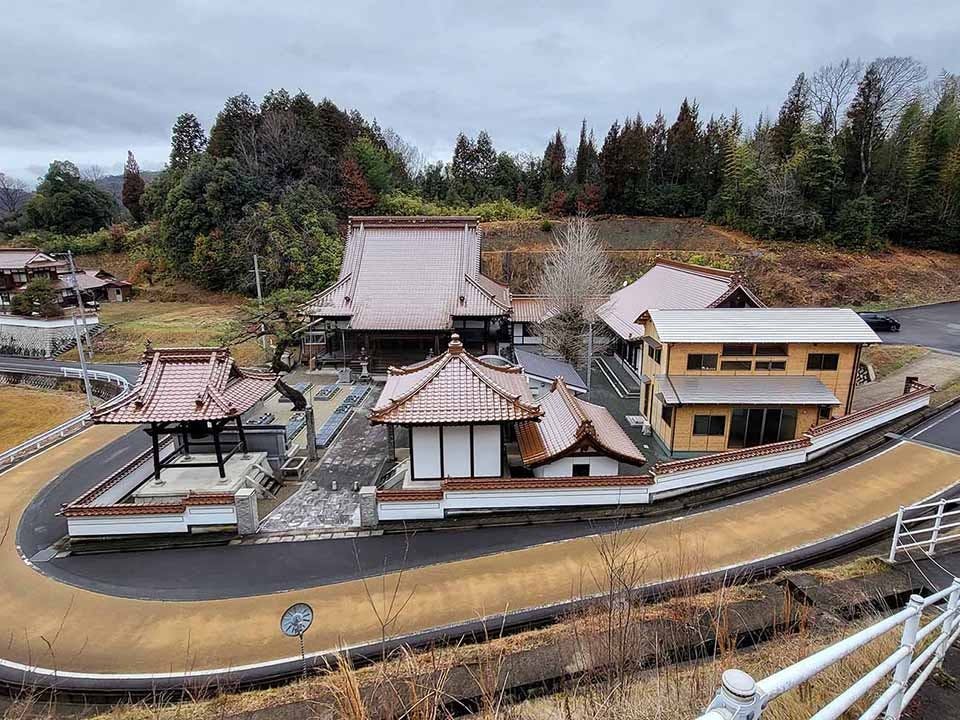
(26, 411)
(782, 273)
(168, 318)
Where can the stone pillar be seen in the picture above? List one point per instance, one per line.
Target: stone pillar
(368, 507)
(248, 520)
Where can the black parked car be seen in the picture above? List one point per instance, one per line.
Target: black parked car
(883, 323)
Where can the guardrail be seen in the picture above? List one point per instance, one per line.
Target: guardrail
(926, 530)
(918, 654)
(71, 426)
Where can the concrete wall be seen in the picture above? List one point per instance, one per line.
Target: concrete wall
(563, 467)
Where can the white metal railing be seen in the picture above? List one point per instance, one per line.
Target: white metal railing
(71, 426)
(924, 526)
(742, 698)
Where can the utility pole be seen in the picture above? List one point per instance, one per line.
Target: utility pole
(83, 365)
(256, 275)
(589, 354)
(83, 315)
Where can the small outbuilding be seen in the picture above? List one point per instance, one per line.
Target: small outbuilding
(574, 438)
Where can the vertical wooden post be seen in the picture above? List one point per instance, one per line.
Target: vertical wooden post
(218, 450)
(243, 436)
(156, 451)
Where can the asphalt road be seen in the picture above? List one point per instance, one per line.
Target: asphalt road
(207, 573)
(933, 326)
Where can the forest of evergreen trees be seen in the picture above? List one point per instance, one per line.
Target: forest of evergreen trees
(859, 155)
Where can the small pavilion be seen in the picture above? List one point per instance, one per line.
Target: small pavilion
(193, 393)
(457, 408)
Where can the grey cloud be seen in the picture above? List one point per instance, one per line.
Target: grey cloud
(90, 80)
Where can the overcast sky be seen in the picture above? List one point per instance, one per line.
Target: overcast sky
(86, 81)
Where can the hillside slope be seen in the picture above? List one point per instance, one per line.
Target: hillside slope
(781, 273)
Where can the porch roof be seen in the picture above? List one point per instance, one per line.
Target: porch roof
(454, 387)
(744, 390)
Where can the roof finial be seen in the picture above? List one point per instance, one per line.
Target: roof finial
(455, 347)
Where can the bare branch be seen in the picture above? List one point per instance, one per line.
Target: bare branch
(831, 89)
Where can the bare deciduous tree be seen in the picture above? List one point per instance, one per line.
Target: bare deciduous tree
(13, 193)
(576, 279)
(831, 89)
(413, 159)
(94, 173)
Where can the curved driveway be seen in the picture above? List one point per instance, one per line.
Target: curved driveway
(54, 625)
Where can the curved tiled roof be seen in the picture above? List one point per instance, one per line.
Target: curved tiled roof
(412, 273)
(454, 387)
(571, 424)
(187, 384)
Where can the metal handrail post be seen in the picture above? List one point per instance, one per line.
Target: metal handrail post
(896, 536)
(901, 675)
(953, 606)
(936, 527)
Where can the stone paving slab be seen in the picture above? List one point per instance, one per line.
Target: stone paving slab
(357, 454)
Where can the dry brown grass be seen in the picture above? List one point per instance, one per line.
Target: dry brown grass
(166, 324)
(887, 359)
(782, 273)
(26, 411)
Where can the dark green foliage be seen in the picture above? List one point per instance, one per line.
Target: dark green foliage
(65, 203)
(235, 125)
(133, 187)
(857, 227)
(187, 140)
(39, 296)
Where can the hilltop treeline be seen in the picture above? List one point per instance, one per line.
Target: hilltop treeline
(859, 155)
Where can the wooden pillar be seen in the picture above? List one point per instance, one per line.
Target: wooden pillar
(185, 439)
(243, 437)
(154, 436)
(218, 450)
(391, 443)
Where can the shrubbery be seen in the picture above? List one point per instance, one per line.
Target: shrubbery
(400, 203)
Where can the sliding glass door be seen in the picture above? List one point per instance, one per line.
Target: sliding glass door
(750, 427)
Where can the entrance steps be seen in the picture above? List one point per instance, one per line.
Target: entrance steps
(624, 383)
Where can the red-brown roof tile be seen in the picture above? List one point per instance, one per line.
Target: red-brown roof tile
(454, 387)
(570, 424)
(186, 384)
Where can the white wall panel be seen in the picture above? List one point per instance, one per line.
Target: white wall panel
(487, 451)
(426, 452)
(456, 451)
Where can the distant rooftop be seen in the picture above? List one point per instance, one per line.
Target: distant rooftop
(548, 369)
(19, 258)
(753, 325)
(669, 284)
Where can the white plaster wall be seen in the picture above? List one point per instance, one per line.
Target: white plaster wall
(545, 497)
(563, 467)
(125, 525)
(426, 451)
(486, 450)
(456, 451)
(414, 510)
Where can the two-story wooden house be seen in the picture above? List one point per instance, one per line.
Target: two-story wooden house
(18, 266)
(721, 379)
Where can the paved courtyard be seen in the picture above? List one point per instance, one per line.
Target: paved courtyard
(357, 454)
